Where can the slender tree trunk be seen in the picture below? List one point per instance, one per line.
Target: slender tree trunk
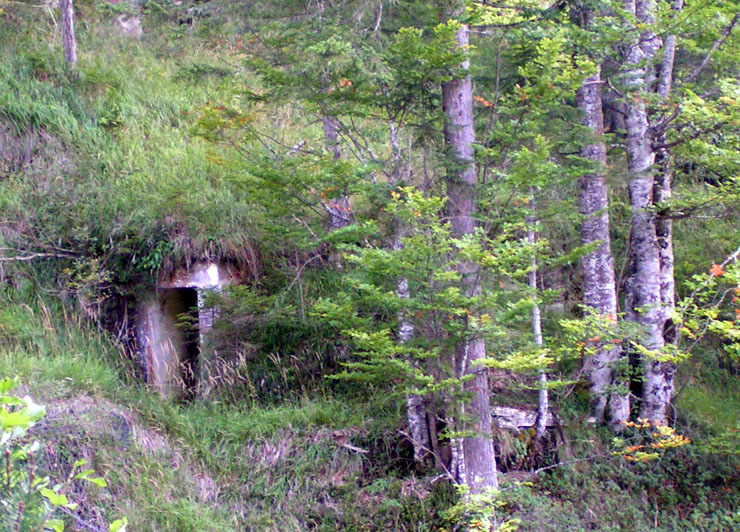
(608, 387)
(643, 287)
(416, 408)
(660, 387)
(663, 188)
(68, 32)
(338, 208)
(543, 401)
(478, 459)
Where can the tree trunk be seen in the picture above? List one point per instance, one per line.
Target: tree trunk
(661, 387)
(478, 459)
(663, 189)
(337, 208)
(543, 401)
(607, 386)
(643, 286)
(68, 32)
(416, 408)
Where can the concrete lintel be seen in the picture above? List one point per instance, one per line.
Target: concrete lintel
(204, 275)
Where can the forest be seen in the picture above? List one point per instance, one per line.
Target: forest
(442, 265)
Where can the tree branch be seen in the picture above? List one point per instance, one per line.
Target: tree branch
(32, 256)
(719, 42)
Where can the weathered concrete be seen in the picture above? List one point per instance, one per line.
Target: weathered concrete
(517, 419)
(173, 358)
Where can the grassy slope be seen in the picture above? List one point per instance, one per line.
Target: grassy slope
(203, 466)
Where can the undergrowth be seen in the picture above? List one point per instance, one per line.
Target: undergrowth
(209, 466)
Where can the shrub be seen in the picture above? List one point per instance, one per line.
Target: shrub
(28, 500)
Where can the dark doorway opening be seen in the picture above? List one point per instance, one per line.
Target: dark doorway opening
(180, 306)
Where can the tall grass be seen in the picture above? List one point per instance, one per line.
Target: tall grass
(220, 467)
(45, 343)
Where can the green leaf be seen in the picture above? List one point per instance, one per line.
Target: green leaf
(55, 525)
(98, 481)
(119, 525)
(7, 384)
(56, 499)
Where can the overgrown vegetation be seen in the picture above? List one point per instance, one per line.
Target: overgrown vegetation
(203, 139)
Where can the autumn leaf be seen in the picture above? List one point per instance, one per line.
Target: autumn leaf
(717, 270)
(485, 102)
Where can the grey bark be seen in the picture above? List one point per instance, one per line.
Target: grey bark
(68, 32)
(643, 299)
(337, 208)
(543, 402)
(659, 389)
(416, 408)
(607, 387)
(478, 459)
(663, 187)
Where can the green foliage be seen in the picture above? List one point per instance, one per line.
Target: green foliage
(28, 500)
(479, 512)
(202, 140)
(369, 312)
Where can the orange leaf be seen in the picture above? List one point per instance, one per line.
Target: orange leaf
(717, 270)
(485, 102)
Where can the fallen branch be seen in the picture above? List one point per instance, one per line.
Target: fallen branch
(33, 256)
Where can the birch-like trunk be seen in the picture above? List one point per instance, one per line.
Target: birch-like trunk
(416, 408)
(643, 286)
(663, 188)
(543, 401)
(660, 387)
(68, 32)
(478, 458)
(608, 388)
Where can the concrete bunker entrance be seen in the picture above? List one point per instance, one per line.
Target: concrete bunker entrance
(173, 327)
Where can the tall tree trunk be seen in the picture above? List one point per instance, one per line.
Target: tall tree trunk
(478, 459)
(663, 188)
(68, 32)
(660, 389)
(607, 386)
(543, 401)
(643, 287)
(338, 209)
(416, 408)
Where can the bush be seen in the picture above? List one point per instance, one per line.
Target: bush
(28, 500)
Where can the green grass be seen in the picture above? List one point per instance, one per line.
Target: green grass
(711, 400)
(213, 466)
